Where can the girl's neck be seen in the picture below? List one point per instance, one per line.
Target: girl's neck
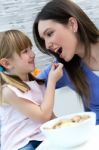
(22, 76)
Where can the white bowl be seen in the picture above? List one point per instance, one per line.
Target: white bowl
(71, 134)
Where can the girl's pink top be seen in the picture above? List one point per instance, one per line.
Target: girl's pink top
(17, 129)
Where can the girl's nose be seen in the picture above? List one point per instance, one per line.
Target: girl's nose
(32, 54)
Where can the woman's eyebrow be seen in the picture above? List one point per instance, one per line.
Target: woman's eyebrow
(46, 31)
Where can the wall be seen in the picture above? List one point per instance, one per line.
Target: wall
(21, 13)
(67, 101)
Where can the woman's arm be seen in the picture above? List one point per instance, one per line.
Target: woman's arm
(60, 83)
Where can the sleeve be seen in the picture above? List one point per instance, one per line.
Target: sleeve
(44, 75)
(63, 80)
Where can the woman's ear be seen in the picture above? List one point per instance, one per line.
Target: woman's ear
(72, 23)
(5, 63)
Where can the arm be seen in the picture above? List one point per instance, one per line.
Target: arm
(44, 74)
(43, 112)
(60, 83)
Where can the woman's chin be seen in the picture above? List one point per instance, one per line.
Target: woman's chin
(66, 59)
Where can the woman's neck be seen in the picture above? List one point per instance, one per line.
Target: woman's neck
(93, 61)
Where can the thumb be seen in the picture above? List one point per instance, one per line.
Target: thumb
(60, 65)
(53, 66)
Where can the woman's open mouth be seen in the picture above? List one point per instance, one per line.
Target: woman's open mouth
(59, 51)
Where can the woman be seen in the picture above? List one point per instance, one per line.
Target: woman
(62, 28)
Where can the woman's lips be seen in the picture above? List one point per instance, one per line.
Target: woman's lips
(59, 51)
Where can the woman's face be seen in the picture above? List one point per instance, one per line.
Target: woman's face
(59, 38)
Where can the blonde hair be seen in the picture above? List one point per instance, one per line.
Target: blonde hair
(12, 41)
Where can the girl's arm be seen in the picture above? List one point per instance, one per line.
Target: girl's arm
(44, 112)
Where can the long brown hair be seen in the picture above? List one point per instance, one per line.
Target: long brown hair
(14, 41)
(60, 11)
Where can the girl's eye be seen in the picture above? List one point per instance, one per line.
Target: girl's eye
(25, 51)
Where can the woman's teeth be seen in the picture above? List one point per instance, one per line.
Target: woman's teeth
(59, 51)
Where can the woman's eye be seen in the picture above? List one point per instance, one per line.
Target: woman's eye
(50, 33)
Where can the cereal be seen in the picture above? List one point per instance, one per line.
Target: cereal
(68, 122)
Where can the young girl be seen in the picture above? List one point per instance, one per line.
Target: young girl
(25, 104)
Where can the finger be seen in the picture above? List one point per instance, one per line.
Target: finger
(53, 67)
(56, 65)
(60, 65)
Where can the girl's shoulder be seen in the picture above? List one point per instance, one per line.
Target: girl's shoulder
(11, 92)
(35, 86)
(6, 93)
(5, 90)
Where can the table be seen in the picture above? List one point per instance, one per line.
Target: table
(91, 144)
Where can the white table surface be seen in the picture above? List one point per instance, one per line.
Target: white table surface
(91, 144)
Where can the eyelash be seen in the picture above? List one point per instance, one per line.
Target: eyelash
(25, 51)
(49, 34)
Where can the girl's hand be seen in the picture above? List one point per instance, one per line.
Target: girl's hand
(56, 72)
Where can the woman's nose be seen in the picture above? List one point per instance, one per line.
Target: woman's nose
(49, 45)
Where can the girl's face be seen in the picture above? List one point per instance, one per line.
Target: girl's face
(23, 63)
(59, 38)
